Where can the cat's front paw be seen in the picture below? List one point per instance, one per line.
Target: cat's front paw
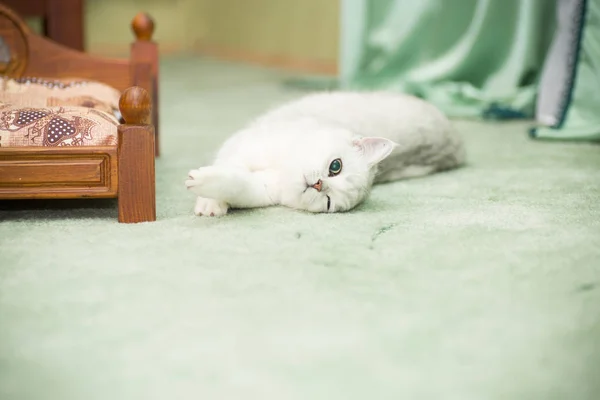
(208, 182)
(210, 207)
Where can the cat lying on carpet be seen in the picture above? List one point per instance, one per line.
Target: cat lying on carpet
(324, 152)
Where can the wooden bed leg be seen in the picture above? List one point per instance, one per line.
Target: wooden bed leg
(136, 190)
(144, 65)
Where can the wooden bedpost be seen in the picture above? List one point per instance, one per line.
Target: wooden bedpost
(144, 64)
(136, 188)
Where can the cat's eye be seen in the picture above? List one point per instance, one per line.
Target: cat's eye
(335, 167)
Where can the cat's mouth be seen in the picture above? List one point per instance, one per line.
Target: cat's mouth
(319, 187)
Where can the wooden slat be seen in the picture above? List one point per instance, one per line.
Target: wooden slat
(27, 8)
(62, 19)
(67, 172)
(64, 22)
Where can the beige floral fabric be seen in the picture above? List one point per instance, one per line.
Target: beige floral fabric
(56, 126)
(39, 92)
(57, 112)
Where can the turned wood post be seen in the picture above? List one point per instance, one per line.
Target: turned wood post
(136, 190)
(144, 64)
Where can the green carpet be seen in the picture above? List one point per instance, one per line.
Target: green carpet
(482, 283)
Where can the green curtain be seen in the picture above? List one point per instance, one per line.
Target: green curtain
(472, 58)
(568, 106)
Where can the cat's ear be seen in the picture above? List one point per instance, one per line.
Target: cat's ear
(375, 149)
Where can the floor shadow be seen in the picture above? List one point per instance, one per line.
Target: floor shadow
(29, 209)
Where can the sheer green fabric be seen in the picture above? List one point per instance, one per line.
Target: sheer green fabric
(472, 58)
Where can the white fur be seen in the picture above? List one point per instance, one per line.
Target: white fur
(275, 160)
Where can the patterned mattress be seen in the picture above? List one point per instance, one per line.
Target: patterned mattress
(38, 112)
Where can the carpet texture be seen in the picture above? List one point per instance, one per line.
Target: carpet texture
(481, 283)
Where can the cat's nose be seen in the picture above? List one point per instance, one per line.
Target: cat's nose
(318, 185)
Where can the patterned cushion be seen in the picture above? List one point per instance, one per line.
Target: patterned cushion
(39, 92)
(57, 112)
(22, 126)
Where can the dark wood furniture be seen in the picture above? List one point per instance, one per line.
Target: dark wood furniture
(62, 20)
(125, 171)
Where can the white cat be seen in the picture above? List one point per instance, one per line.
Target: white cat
(323, 153)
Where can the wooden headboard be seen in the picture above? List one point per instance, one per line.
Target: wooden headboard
(24, 53)
(62, 20)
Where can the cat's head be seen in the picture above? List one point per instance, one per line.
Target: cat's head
(337, 175)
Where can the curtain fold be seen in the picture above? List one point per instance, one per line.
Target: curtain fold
(472, 58)
(568, 106)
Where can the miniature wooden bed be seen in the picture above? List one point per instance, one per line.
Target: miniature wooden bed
(48, 167)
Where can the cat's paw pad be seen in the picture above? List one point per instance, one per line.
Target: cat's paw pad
(210, 207)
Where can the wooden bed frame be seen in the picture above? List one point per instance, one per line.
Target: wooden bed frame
(125, 171)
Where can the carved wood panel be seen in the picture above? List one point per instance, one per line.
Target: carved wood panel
(58, 172)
